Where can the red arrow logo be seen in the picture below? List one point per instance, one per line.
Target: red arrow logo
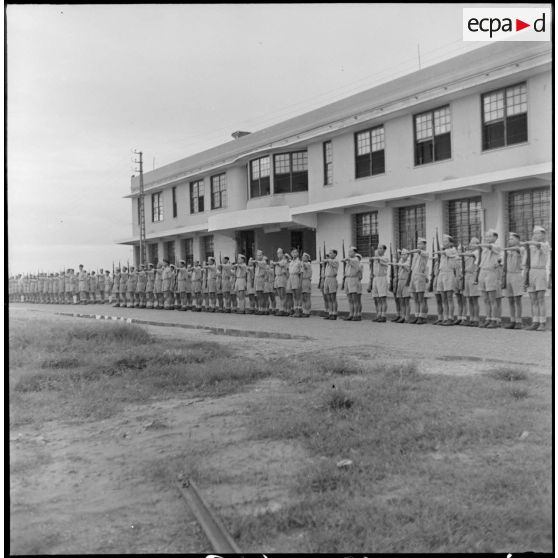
(519, 25)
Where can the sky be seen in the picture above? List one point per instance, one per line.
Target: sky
(87, 84)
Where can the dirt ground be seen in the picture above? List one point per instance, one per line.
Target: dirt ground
(108, 486)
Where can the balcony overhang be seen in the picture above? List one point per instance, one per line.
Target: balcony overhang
(270, 218)
(539, 171)
(179, 231)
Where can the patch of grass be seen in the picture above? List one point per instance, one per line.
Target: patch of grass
(61, 362)
(430, 473)
(518, 393)
(109, 332)
(507, 374)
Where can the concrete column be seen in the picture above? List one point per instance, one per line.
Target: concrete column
(160, 250)
(386, 226)
(434, 218)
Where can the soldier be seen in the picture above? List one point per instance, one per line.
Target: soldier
(280, 281)
(295, 276)
(539, 252)
(460, 316)
(418, 281)
(226, 283)
(107, 292)
(352, 271)
(379, 286)
(74, 278)
(250, 290)
(149, 285)
(446, 278)
(403, 292)
(289, 299)
(260, 272)
(124, 276)
(172, 287)
(181, 284)
(166, 285)
(82, 280)
(141, 286)
(91, 287)
(197, 276)
(131, 284)
(234, 293)
(514, 280)
(189, 295)
(269, 294)
(211, 281)
(471, 291)
(219, 289)
(488, 276)
(330, 283)
(116, 288)
(306, 285)
(240, 282)
(158, 287)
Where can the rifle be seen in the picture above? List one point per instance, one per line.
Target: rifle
(505, 270)
(462, 272)
(527, 267)
(321, 280)
(344, 267)
(391, 270)
(476, 281)
(432, 271)
(408, 282)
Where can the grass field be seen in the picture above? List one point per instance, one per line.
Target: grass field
(437, 463)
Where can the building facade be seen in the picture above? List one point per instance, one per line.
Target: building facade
(460, 146)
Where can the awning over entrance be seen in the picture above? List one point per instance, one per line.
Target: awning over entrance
(280, 216)
(165, 234)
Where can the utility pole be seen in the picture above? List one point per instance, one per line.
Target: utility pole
(141, 202)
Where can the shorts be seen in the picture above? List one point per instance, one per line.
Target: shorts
(268, 287)
(488, 280)
(330, 285)
(379, 286)
(402, 290)
(446, 281)
(280, 282)
(259, 283)
(537, 280)
(351, 284)
(240, 284)
(226, 286)
(306, 285)
(294, 282)
(471, 290)
(459, 284)
(418, 283)
(514, 284)
(196, 286)
(212, 285)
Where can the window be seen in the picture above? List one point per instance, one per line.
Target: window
(219, 191)
(328, 163)
(369, 152)
(207, 246)
(504, 117)
(188, 250)
(170, 254)
(412, 224)
(366, 232)
(196, 196)
(465, 220)
(174, 206)
(527, 208)
(156, 207)
(432, 136)
(290, 172)
(259, 177)
(153, 254)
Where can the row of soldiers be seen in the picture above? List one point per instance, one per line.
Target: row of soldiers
(282, 286)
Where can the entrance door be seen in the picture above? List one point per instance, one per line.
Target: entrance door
(246, 244)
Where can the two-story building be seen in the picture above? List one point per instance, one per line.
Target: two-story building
(460, 146)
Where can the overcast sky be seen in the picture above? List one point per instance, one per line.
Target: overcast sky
(86, 84)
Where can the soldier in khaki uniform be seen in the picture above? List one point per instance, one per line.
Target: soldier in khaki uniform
(352, 271)
(330, 283)
(116, 288)
(240, 271)
(306, 285)
(124, 275)
(107, 291)
(269, 294)
(220, 307)
(197, 276)
(280, 282)
(471, 291)
(182, 274)
(538, 276)
(379, 286)
(211, 283)
(158, 287)
(419, 279)
(489, 281)
(149, 285)
(226, 280)
(141, 286)
(403, 292)
(166, 285)
(131, 283)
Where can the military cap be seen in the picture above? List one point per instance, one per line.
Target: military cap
(150, 264)
(538, 228)
(242, 256)
(492, 232)
(514, 234)
(80, 265)
(421, 239)
(182, 262)
(334, 251)
(172, 265)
